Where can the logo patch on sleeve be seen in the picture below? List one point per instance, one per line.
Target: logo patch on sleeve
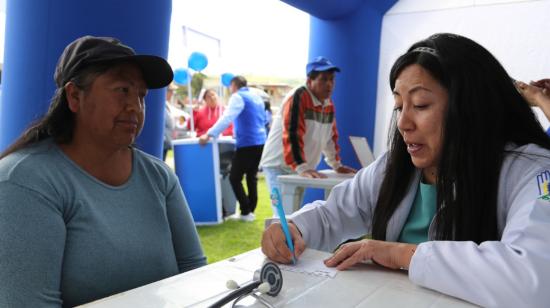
(543, 182)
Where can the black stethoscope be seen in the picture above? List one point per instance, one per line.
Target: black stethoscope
(268, 280)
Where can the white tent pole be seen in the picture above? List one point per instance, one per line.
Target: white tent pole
(190, 96)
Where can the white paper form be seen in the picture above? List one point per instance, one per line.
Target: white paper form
(307, 266)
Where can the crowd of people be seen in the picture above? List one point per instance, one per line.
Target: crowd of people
(459, 202)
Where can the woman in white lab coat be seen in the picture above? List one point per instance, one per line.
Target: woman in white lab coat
(460, 200)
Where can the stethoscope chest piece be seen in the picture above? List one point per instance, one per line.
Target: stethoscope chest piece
(271, 274)
(267, 280)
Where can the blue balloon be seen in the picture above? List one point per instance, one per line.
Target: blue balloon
(181, 76)
(197, 61)
(226, 79)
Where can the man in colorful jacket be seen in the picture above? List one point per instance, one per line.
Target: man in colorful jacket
(304, 129)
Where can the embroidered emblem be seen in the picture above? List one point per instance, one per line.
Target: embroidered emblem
(543, 180)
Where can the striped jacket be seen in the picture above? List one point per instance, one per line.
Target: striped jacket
(304, 129)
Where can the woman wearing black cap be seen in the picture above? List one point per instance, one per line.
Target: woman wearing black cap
(83, 214)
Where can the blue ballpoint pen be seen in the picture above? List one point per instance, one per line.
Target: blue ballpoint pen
(276, 200)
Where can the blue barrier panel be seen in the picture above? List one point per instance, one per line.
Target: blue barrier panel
(198, 169)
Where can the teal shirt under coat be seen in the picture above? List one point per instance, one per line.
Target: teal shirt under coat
(415, 230)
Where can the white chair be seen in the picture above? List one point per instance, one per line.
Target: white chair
(362, 150)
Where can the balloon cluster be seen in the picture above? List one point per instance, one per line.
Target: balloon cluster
(197, 61)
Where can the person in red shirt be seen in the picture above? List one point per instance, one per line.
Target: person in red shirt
(207, 115)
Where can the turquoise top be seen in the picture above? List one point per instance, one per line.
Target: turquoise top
(67, 238)
(420, 217)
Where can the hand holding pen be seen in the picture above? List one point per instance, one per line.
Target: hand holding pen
(275, 245)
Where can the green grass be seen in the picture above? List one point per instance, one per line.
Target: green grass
(233, 237)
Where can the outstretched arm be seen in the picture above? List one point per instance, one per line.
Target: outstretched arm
(537, 94)
(236, 106)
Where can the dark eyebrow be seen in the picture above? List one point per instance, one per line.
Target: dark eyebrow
(413, 90)
(419, 88)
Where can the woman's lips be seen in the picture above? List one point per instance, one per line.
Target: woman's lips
(414, 148)
(128, 123)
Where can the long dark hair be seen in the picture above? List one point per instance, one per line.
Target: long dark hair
(484, 114)
(59, 121)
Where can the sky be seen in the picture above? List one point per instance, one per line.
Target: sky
(258, 37)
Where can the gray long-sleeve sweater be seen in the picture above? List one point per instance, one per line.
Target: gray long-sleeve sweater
(67, 238)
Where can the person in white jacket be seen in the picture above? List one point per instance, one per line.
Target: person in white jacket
(461, 199)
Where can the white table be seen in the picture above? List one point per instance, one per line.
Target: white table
(367, 285)
(290, 182)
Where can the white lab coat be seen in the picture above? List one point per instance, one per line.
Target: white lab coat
(512, 272)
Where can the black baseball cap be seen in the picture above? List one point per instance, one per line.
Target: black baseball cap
(89, 50)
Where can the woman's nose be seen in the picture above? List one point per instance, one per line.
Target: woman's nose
(404, 120)
(135, 101)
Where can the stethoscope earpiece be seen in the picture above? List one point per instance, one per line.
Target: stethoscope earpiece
(264, 287)
(268, 280)
(232, 285)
